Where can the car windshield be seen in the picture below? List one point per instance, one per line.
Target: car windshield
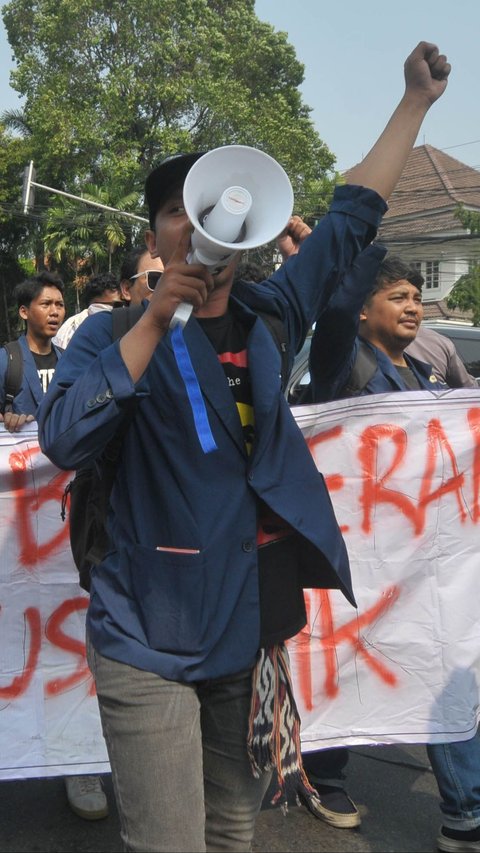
(469, 352)
(467, 344)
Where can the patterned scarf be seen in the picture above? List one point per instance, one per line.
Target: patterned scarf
(274, 730)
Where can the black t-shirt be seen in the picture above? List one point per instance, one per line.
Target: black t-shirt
(282, 605)
(228, 336)
(46, 365)
(408, 377)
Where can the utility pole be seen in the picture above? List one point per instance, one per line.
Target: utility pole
(28, 195)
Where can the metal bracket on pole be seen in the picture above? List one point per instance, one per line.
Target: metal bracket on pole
(28, 195)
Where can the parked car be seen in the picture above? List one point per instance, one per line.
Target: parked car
(466, 340)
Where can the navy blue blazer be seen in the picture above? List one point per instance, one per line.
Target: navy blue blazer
(179, 593)
(31, 393)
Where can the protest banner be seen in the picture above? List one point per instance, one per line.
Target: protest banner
(403, 472)
(49, 722)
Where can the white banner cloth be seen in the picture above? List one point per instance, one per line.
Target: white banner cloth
(49, 721)
(403, 472)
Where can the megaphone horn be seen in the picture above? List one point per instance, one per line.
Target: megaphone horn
(236, 198)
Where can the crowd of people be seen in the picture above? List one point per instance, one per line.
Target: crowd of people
(191, 607)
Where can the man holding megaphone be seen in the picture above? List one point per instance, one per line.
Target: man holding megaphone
(218, 516)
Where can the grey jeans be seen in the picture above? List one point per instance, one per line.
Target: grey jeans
(180, 768)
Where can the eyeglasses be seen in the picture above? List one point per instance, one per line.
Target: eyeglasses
(153, 277)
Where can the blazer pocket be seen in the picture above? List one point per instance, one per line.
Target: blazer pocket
(170, 589)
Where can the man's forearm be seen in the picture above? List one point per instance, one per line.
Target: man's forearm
(381, 169)
(426, 75)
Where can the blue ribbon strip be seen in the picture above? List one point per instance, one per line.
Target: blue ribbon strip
(189, 377)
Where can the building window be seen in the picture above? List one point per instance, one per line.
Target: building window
(432, 274)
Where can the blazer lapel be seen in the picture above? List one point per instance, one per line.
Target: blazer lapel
(388, 370)
(266, 383)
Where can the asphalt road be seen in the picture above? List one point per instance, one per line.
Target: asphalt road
(393, 787)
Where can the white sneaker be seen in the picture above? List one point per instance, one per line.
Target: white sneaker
(86, 796)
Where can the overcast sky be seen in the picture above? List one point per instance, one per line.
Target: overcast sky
(353, 53)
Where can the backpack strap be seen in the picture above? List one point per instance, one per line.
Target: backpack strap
(363, 370)
(123, 318)
(89, 491)
(14, 373)
(277, 329)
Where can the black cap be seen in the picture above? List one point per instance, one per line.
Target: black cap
(165, 177)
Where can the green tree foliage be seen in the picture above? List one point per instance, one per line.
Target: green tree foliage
(112, 87)
(14, 234)
(465, 294)
(84, 239)
(469, 218)
(87, 232)
(12, 162)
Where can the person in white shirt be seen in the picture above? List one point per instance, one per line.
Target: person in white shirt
(101, 293)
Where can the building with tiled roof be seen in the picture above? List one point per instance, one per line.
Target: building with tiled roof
(421, 225)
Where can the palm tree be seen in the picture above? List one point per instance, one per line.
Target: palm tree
(15, 120)
(85, 237)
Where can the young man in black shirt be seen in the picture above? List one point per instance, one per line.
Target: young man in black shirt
(41, 305)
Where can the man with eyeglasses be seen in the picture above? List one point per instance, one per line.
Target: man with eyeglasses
(139, 275)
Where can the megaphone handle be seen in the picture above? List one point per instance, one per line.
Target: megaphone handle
(182, 315)
(184, 311)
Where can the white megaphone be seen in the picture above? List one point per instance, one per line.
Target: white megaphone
(236, 198)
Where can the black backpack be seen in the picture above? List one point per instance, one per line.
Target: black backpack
(89, 491)
(14, 374)
(363, 370)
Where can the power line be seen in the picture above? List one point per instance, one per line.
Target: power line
(460, 145)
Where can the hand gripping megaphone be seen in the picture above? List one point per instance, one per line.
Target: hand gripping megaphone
(236, 198)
